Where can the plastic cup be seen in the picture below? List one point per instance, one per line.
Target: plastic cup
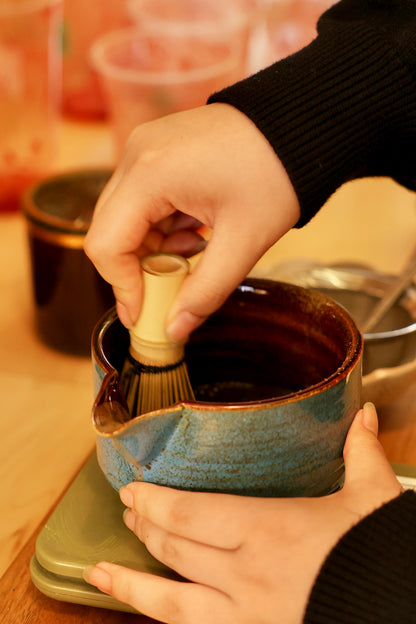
(82, 96)
(289, 37)
(292, 25)
(310, 10)
(30, 89)
(147, 75)
(226, 21)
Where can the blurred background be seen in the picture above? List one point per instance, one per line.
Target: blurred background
(122, 62)
(75, 78)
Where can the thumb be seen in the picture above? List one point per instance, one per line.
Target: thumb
(366, 465)
(223, 265)
(231, 253)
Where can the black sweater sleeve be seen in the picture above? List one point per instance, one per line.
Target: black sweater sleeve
(344, 107)
(370, 576)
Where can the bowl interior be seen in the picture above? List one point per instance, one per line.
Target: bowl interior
(269, 340)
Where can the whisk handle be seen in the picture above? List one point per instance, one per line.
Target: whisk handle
(163, 275)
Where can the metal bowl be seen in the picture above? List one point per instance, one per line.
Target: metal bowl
(389, 360)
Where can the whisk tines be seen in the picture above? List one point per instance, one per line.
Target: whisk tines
(150, 387)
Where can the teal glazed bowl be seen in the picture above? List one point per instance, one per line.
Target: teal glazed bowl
(277, 379)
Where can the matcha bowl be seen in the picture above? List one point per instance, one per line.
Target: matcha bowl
(277, 379)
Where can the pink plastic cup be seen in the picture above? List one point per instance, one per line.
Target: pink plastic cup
(30, 89)
(146, 75)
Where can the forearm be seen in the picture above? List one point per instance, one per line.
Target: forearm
(343, 107)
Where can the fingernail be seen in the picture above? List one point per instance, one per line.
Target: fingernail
(87, 573)
(126, 496)
(98, 577)
(129, 519)
(370, 421)
(174, 328)
(123, 315)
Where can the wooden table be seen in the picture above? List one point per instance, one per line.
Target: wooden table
(22, 603)
(46, 434)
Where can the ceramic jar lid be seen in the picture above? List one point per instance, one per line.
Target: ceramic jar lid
(64, 204)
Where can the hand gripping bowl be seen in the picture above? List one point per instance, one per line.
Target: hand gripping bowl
(277, 378)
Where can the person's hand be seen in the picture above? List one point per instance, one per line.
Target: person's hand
(247, 559)
(207, 166)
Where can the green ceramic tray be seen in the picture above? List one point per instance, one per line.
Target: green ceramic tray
(87, 527)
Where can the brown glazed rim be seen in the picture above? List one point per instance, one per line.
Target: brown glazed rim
(61, 239)
(353, 355)
(53, 224)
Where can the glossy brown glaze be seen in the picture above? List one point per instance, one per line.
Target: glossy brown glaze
(268, 340)
(69, 294)
(276, 374)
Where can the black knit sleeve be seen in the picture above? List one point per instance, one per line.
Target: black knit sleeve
(370, 576)
(344, 107)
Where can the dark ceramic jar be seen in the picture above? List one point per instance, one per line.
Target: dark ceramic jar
(69, 294)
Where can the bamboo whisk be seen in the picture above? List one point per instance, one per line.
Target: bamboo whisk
(155, 373)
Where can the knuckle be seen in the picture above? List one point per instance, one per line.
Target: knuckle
(94, 247)
(178, 513)
(124, 589)
(89, 245)
(140, 528)
(161, 545)
(170, 605)
(167, 552)
(133, 141)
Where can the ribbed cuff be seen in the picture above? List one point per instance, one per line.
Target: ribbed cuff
(369, 577)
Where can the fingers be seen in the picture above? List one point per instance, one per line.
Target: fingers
(163, 599)
(210, 165)
(238, 241)
(210, 519)
(192, 560)
(179, 221)
(121, 232)
(227, 259)
(367, 469)
(216, 275)
(117, 262)
(186, 243)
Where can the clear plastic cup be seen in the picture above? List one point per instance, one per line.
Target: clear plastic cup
(147, 75)
(230, 21)
(30, 91)
(289, 37)
(82, 96)
(292, 25)
(310, 10)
